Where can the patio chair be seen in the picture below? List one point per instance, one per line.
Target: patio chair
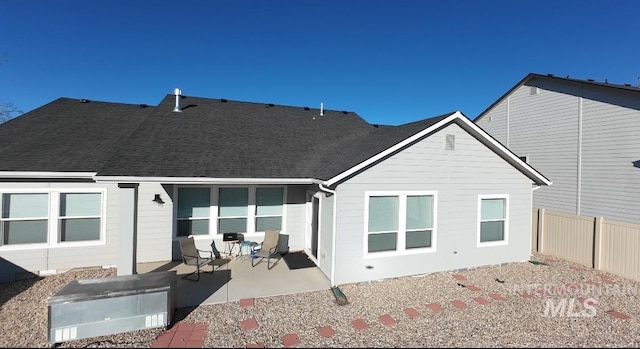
(268, 249)
(195, 257)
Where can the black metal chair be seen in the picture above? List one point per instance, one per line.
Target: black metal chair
(195, 257)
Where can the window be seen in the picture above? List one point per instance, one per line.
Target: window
(215, 210)
(419, 221)
(25, 218)
(51, 217)
(269, 202)
(383, 223)
(400, 222)
(193, 211)
(80, 216)
(493, 219)
(233, 210)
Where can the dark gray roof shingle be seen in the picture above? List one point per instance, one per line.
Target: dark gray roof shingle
(67, 135)
(210, 138)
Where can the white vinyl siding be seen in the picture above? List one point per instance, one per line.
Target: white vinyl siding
(610, 173)
(544, 127)
(56, 255)
(495, 122)
(457, 177)
(157, 223)
(583, 138)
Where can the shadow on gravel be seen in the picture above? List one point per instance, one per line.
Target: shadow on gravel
(14, 280)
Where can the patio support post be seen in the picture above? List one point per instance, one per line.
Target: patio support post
(128, 228)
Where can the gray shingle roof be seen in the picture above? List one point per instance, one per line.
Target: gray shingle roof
(216, 138)
(67, 135)
(210, 138)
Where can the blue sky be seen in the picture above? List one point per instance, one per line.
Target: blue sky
(392, 62)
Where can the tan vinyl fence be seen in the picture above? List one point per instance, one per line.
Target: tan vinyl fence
(594, 242)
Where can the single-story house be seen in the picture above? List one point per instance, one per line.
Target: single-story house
(581, 133)
(87, 183)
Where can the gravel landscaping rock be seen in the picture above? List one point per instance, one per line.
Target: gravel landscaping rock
(514, 321)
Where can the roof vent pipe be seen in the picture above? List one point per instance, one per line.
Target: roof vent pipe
(321, 109)
(178, 93)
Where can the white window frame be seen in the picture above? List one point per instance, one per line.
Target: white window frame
(53, 219)
(213, 210)
(402, 224)
(505, 241)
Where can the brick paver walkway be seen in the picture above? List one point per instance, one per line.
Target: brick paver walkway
(182, 335)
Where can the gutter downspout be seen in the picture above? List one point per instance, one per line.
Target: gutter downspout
(333, 235)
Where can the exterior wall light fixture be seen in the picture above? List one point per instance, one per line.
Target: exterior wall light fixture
(158, 199)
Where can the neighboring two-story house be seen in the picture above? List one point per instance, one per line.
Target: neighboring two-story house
(582, 134)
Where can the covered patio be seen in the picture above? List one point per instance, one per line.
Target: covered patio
(234, 278)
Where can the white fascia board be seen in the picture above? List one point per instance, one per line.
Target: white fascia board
(470, 126)
(57, 175)
(204, 180)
